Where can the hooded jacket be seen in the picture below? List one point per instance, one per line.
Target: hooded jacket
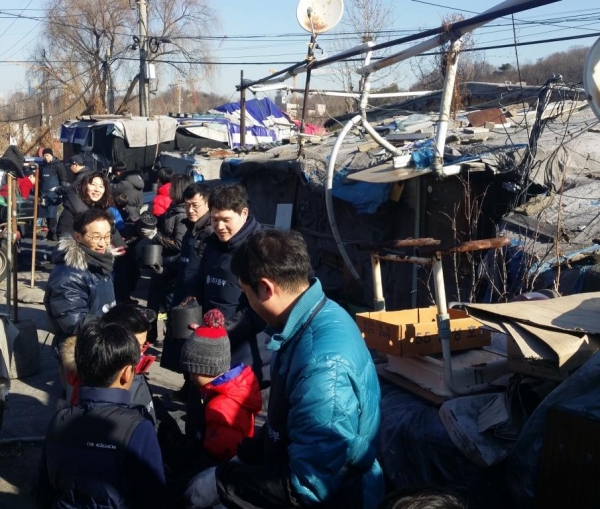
(228, 406)
(131, 183)
(170, 232)
(79, 286)
(318, 446)
(161, 201)
(73, 205)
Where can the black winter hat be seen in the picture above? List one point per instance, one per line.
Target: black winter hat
(78, 160)
(47, 150)
(207, 351)
(12, 161)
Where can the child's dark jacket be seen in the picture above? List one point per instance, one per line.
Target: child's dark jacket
(100, 453)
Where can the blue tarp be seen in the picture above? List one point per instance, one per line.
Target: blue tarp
(75, 133)
(260, 110)
(365, 197)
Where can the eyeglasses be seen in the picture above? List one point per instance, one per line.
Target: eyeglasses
(96, 239)
(193, 206)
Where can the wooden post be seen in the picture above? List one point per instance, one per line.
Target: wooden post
(35, 218)
(13, 247)
(242, 111)
(8, 238)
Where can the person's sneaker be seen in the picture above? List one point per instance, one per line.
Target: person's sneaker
(161, 316)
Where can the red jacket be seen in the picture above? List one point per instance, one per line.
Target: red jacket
(231, 402)
(25, 187)
(161, 201)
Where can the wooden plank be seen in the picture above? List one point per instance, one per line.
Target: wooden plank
(409, 386)
(365, 147)
(479, 118)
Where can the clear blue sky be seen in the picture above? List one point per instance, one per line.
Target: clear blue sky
(278, 37)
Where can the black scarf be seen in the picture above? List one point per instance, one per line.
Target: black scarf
(104, 261)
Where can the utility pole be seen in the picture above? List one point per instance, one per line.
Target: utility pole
(242, 111)
(144, 88)
(178, 94)
(109, 83)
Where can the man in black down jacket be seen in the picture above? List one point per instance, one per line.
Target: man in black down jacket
(129, 182)
(220, 289)
(80, 285)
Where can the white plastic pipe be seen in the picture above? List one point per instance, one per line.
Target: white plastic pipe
(364, 101)
(329, 195)
(378, 298)
(443, 321)
(445, 108)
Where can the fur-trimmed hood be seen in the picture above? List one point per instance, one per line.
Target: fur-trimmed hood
(72, 254)
(69, 252)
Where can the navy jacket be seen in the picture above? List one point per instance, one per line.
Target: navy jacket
(132, 184)
(100, 453)
(219, 288)
(77, 288)
(192, 249)
(53, 175)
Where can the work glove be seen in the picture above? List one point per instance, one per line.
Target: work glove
(149, 233)
(201, 491)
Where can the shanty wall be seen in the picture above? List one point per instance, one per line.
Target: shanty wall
(284, 181)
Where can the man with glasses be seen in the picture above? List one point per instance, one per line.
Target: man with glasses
(199, 228)
(80, 286)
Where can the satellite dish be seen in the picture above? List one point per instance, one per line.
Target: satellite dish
(324, 14)
(591, 78)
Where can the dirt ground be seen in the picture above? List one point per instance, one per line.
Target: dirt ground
(33, 400)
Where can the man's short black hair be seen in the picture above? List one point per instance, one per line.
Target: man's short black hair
(164, 174)
(229, 197)
(429, 497)
(194, 189)
(102, 350)
(121, 200)
(278, 255)
(130, 317)
(119, 167)
(89, 216)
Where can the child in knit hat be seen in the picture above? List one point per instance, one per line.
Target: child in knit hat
(230, 397)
